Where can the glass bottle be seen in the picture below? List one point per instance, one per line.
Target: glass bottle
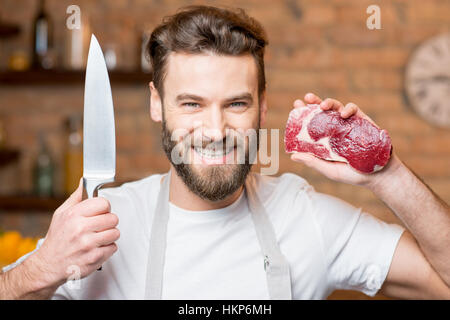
(144, 61)
(42, 39)
(73, 158)
(43, 170)
(77, 44)
(2, 135)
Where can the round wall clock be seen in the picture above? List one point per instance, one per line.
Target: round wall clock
(427, 80)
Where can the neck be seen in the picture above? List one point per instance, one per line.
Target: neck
(182, 197)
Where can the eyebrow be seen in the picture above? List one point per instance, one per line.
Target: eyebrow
(187, 96)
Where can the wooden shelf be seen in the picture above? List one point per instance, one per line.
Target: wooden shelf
(67, 77)
(33, 203)
(30, 203)
(7, 156)
(8, 30)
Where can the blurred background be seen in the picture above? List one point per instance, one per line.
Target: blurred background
(323, 47)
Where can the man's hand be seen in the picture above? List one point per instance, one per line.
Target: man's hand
(421, 264)
(81, 234)
(339, 171)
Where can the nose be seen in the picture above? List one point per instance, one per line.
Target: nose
(214, 124)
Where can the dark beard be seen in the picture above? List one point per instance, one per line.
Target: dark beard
(216, 182)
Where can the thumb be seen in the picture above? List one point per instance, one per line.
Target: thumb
(302, 156)
(74, 198)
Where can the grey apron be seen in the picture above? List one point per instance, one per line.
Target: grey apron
(275, 264)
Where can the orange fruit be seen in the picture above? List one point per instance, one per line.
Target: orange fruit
(8, 246)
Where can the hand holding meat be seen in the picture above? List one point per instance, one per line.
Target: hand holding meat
(339, 141)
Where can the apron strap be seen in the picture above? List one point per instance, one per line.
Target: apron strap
(275, 264)
(157, 246)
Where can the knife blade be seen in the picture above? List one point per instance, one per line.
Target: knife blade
(99, 141)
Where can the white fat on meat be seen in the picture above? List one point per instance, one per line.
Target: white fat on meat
(303, 135)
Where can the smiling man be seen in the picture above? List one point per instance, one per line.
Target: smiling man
(211, 113)
(210, 228)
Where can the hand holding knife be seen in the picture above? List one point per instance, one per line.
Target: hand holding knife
(82, 233)
(99, 142)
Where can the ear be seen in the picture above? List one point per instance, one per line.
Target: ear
(155, 103)
(263, 109)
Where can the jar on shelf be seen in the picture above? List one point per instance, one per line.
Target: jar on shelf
(73, 157)
(2, 135)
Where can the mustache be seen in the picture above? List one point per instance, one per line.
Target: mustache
(178, 143)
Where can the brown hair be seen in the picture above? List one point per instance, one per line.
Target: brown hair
(198, 29)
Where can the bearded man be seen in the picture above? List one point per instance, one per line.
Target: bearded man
(212, 229)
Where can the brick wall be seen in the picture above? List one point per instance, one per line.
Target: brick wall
(319, 46)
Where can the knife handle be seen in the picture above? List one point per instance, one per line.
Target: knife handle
(91, 186)
(90, 190)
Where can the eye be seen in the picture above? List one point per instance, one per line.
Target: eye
(191, 104)
(238, 104)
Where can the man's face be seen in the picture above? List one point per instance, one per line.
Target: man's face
(209, 102)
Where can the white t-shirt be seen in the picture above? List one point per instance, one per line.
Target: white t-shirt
(215, 254)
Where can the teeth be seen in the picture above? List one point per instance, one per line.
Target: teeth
(209, 153)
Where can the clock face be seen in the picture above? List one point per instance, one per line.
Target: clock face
(428, 80)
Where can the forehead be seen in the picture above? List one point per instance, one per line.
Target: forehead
(210, 75)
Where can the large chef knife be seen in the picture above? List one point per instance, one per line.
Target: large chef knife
(99, 140)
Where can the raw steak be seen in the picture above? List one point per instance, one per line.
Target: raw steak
(327, 135)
